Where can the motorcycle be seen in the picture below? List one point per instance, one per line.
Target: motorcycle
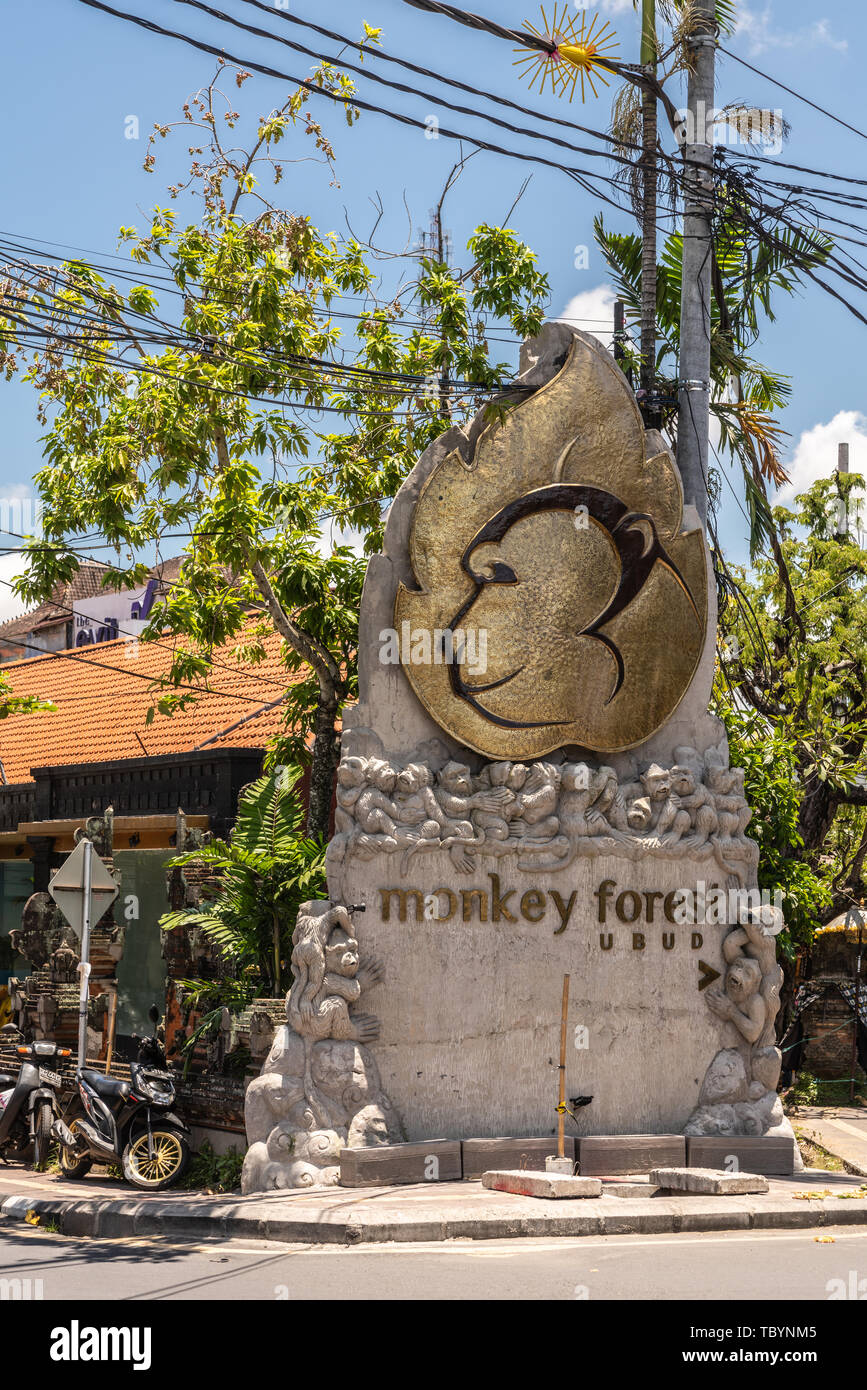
(127, 1122)
(29, 1105)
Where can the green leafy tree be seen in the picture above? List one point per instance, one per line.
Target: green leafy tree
(266, 870)
(11, 703)
(186, 408)
(769, 757)
(792, 689)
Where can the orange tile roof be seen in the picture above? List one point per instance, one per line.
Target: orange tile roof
(100, 711)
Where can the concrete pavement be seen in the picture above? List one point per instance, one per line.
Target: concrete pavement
(842, 1130)
(100, 1208)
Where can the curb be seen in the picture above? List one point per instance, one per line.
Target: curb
(608, 1217)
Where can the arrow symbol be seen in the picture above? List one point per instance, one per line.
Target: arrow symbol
(708, 974)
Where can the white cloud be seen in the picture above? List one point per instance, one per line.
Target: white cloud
(758, 28)
(10, 604)
(593, 312)
(615, 6)
(815, 454)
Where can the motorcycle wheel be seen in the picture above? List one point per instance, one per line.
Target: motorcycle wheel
(171, 1154)
(42, 1137)
(74, 1164)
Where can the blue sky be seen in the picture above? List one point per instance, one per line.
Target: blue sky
(73, 76)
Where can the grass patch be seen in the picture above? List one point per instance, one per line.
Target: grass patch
(815, 1156)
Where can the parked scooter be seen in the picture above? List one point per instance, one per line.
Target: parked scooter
(127, 1122)
(30, 1104)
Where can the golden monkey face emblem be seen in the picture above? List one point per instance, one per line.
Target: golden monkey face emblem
(560, 552)
(586, 597)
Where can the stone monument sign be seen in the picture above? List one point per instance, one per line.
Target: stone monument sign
(531, 785)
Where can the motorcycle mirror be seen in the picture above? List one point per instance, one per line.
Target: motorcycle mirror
(154, 1014)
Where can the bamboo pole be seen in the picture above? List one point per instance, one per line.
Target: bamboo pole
(561, 1111)
(112, 1024)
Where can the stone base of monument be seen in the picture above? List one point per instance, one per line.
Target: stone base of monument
(435, 1160)
(482, 1155)
(755, 1154)
(609, 1155)
(552, 1185)
(708, 1182)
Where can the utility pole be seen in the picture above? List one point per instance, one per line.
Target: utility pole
(693, 419)
(842, 513)
(437, 243)
(620, 338)
(648, 214)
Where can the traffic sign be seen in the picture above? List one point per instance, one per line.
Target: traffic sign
(67, 887)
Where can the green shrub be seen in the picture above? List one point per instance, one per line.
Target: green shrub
(214, 1172)
(805, 1089)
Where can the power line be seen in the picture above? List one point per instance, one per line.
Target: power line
(401, 86)
(94, 355)
(384, 57)
(135, 675)
(125, 632)
(166, 285)
(792, 93)
(477, 21)
(580, 176)
(113, 328)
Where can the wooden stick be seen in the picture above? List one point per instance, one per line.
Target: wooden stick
(561, 1115)
(112, 1023)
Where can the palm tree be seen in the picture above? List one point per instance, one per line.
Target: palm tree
(266, 870)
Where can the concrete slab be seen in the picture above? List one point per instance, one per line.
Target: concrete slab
(602, 1155)
(481, 1155)
(752, 1154)
(710, 1182)
(623, 1187)
(436, 1160)
(549, 1185)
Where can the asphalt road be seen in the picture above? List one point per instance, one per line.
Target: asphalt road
(729, 1266)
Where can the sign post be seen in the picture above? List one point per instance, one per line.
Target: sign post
(84, 963)
(81, 883)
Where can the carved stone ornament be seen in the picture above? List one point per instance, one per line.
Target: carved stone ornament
(546, 813)
(558, 551)
(319, 1090)
(739, 1092)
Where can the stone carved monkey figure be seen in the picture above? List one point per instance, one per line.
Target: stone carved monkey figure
(328, 979)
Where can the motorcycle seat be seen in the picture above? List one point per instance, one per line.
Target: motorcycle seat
(6, 1081)
(108, 1086)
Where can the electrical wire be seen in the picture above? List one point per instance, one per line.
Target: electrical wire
(580, 176)
(114, 329)
(791, 91)
(381, 56)
(135, 675)
(487, 26)
(132, 636)
(345, 63)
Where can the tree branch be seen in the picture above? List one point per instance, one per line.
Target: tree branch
(311, 651)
